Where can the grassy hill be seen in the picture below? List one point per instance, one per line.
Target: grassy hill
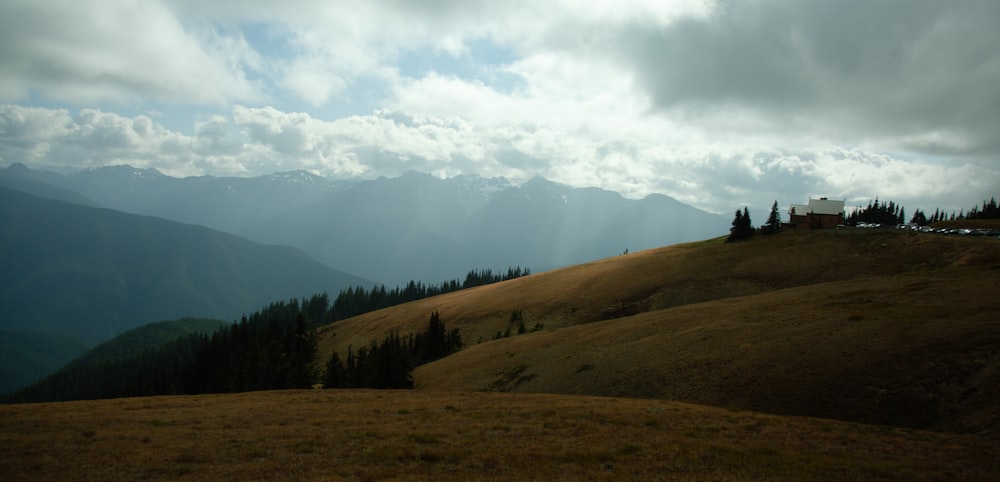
(876, 326)
(895, 328)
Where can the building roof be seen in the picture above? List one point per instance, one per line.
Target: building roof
(818, 206)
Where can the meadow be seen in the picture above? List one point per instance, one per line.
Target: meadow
(425, 435)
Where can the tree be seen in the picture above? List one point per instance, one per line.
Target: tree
(300, 349)
(335, 372)
(742, 226)
(773, 224)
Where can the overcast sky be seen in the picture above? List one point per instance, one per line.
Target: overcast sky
(716, 103)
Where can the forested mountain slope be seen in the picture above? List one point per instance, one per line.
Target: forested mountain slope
(89, 274)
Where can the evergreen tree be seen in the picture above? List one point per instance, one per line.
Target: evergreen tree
(773, 225)
(884, 213)
(357, 300)
(390, 364)
(300, 347)
(335, 372)
(742, 227)
(735, 229)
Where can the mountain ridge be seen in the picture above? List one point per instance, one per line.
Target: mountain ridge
(415, 226)
(91, 273)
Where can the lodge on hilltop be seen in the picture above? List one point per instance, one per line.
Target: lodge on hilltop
(820, 213)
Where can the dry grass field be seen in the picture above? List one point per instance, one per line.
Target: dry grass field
(421, 435)
(894, 353)
(888, 327)
(837, 355)
(673, 276)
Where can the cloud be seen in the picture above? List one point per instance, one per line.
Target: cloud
(123, 51)
(897, 72)
(255, 141)
(717, 103)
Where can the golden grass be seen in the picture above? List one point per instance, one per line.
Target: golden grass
(886, 350)
(422, 435)
(880, 326)
(667, 277)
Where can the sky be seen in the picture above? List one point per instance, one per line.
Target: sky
(717, 103)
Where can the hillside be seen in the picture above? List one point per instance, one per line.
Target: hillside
(144, 338)
(877, 326)
(103, 369)
(68, 270)
(24, 357)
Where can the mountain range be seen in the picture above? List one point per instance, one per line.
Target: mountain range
(90, 254)
(77, 275)
(392, 230)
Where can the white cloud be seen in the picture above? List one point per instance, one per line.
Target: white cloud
(715, 176)
(849, 71)
(717, 103)
(89, 51)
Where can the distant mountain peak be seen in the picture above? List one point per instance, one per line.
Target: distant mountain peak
(125, 170)
(297, 176)
(487, 185)
(17, 167)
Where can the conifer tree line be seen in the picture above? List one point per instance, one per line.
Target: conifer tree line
(876, 212)
(887, 213)
(274, 348)
(355, 301)
(271, 349)
(390, 364)
(988, 210)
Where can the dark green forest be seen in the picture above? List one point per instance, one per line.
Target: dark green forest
(355, 301)
(886, 213)
(890, 213)
(390, 364)
(271, 349)
(988, 210)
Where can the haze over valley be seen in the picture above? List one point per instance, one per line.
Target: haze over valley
(146, 260)
(394, 230)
